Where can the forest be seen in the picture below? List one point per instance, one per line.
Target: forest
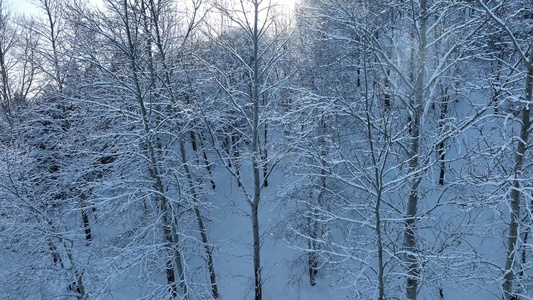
(242, 149)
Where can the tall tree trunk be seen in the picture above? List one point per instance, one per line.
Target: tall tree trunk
(515, 192)
(183, 154)
(169, 230)
(377, 214)
(524, 250)
(77, 284)
(444, 100)
(312, 259)
(256, 157)
(315, 230)
(441, 153)
(265, 156)
(178, 260)
(199, 220)
(313, 221)
(378, 183)
(411, 261)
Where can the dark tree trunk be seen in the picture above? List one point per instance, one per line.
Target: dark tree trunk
(442, 122)
(85, 219)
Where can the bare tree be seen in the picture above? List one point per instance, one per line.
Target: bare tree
(407, 85)
(521, 46)
(156, 12)
(252, 99)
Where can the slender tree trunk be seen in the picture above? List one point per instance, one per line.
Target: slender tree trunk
(208, 166)
(524, 250)
(265, 157)
(378, 183)
(312, 245)
(411, 260)
(199, 219)
(77, 285)
(315, 229)
(377, 214)
(188, 173)
(257, 246)
(169, 230)
(313, 221)
(80, 288)
(377, 209)
(494, 101)
(85, 219)
(178, 260)
(226, 144)
(86, 226)
(440, 147)
(56, 257)
(358, 80)
(386, 92)
(197, 146)
(256, 157)
(236, 155)
(209, 254)
(444, 100)
(515, 192)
